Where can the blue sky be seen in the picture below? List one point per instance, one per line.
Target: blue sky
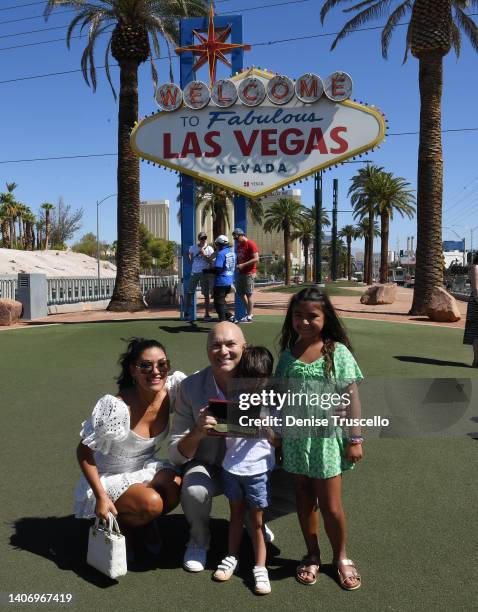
(60, 116)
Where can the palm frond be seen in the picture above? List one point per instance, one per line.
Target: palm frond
(468, 26)
(373, 12)
(107, 67)
(456, 38)
(391, 24)
(328, 6)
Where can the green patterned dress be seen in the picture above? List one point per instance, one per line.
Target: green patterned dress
(318, 456)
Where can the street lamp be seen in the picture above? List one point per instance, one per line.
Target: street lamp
(98, 235)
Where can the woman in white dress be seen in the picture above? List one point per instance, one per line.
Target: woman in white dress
(118, 443)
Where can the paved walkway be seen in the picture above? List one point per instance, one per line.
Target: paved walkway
(271, 303)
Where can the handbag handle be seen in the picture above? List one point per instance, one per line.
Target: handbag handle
(110, 526)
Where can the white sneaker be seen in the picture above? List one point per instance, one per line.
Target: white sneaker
(246, 319)
(194, 558)
(262, 586)
(225, 569)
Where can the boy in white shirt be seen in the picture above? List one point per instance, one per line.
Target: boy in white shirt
(200, 258)
(246, 468)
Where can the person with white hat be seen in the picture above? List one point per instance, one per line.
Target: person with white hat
(224, 266)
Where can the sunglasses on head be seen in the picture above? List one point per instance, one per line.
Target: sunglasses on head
(163, 365)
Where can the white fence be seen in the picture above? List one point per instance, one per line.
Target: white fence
(67, 290)
(7, 287)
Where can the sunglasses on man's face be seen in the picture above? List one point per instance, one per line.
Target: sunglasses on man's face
(163, 365)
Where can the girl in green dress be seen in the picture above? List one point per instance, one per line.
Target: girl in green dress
(315, 349)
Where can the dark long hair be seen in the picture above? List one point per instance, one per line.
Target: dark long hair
(135, 347)
(332, 332)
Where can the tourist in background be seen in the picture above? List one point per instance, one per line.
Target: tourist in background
(471, 326)
(247, 259)
(224, 265)
(199, 256)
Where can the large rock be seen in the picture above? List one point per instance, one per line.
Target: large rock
(380, 294)
(10, 311)
(442, 307)
(160, 296)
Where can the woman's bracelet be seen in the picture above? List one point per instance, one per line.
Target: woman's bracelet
(356, 439)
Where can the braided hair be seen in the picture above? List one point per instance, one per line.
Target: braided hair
(332, 332)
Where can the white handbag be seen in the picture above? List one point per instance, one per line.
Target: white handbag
(107, 548)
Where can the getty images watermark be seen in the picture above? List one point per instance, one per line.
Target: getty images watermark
(273, 402)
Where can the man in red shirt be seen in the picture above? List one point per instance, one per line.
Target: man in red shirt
(247, 255)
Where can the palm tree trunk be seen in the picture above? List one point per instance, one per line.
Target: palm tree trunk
(365, 261)
(287, 254)
(127, 296)
(429, 259)
(47, 229)
(349, 257)
(371, 228)
(384, 223)
(218, 226)
(306, 261)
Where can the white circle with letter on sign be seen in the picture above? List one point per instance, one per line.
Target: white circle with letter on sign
(338, 86)
(252, 91)
(280, 90)
(196, 95)
(169, 97)
(224, 93)
(309, 88)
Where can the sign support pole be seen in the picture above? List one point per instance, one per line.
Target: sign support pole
(318, 228)
(187, 190)
(334, 230)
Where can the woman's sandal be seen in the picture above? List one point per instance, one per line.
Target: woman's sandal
(225, 569)
(310, 565)
(345, 575)
(262, 586)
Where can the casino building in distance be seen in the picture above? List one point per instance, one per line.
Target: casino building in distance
(154, 214)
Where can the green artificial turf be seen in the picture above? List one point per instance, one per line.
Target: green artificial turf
(338, 289)
(411, 504)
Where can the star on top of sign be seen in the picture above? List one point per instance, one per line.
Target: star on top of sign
(212, 48)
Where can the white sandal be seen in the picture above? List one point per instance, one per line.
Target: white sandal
(261, 578)
(225, 569)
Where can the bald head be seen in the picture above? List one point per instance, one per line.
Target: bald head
(225, 344)
(225, 329)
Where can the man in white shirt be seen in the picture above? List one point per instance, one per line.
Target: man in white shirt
(199, 256)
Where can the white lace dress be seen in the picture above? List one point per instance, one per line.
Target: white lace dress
(123, 457)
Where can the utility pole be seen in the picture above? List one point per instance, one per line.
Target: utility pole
(318, 227)
(334, 230)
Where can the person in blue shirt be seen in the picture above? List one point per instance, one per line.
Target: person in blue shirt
(224, 266)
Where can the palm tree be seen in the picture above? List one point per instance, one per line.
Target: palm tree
(29, 233)
(39, 225)
(214, 199)
(349, 232)
(10, 209)
(363, 197)
(395, 196)
(284, 215)
(432, 30)
(305, 233)
(363, 231)
(136, 25)
(47, 207)
(4, 228)
(384, 193)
